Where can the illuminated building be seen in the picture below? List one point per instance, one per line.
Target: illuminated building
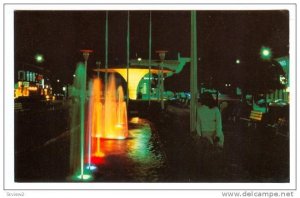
(31, 82)
(282, 94)
(141, 77)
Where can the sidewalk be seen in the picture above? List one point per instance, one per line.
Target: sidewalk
(187, 162)
(249, 155)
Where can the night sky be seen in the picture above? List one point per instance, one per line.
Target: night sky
(223, 37)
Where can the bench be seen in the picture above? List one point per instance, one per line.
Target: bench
(254, 118)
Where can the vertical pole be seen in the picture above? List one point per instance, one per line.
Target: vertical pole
(162, 87)
(266, 103)
(106, 50)
(149, 61)
(128, 52)
(193, 72)
(217, 97)
(159, 85)
(98, 63)
(82, 115)
(81, 134)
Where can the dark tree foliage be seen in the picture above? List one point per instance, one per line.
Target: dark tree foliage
(260, 77)
(252, 76)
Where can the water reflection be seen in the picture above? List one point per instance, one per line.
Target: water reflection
(138, 158)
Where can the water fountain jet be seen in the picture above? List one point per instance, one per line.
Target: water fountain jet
(102, 116)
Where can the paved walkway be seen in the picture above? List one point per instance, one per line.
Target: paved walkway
(249, 155)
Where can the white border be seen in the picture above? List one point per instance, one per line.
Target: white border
(9, 105)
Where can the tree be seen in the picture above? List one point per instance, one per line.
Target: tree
(261, 77)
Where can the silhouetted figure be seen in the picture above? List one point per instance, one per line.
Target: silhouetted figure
(209, 121)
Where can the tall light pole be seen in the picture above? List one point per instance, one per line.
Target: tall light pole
(85, 53)
(266, 55)
(193, 72)
(162, 55)
(149, 60)
(106, 50)
(98, 63)
(128, 55)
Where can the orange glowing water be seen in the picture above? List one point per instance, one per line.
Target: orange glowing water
(121, 112)
(96, 109)
(107, 114)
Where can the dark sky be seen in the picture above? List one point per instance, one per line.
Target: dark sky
(223, 36)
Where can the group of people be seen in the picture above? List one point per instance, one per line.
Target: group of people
(209, 120)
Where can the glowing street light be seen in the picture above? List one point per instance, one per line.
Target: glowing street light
(265, 53)
(39, 58)
(237, 61)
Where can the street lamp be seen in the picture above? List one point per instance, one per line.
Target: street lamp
(162, 55)
(237, 61)
(265, 53)
(98, 63)
(39, 58)
(85, 53)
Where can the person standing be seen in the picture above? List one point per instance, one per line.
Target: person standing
(209, 121)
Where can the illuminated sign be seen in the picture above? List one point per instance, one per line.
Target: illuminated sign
(32, 88)
(24, 84)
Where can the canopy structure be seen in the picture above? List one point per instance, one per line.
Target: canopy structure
(135, 76)
(175, 66)
(140, 68)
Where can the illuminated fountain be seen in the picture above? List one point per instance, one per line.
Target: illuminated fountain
(77, 128)
(105, 117)
(107, 112)
(115, 114)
